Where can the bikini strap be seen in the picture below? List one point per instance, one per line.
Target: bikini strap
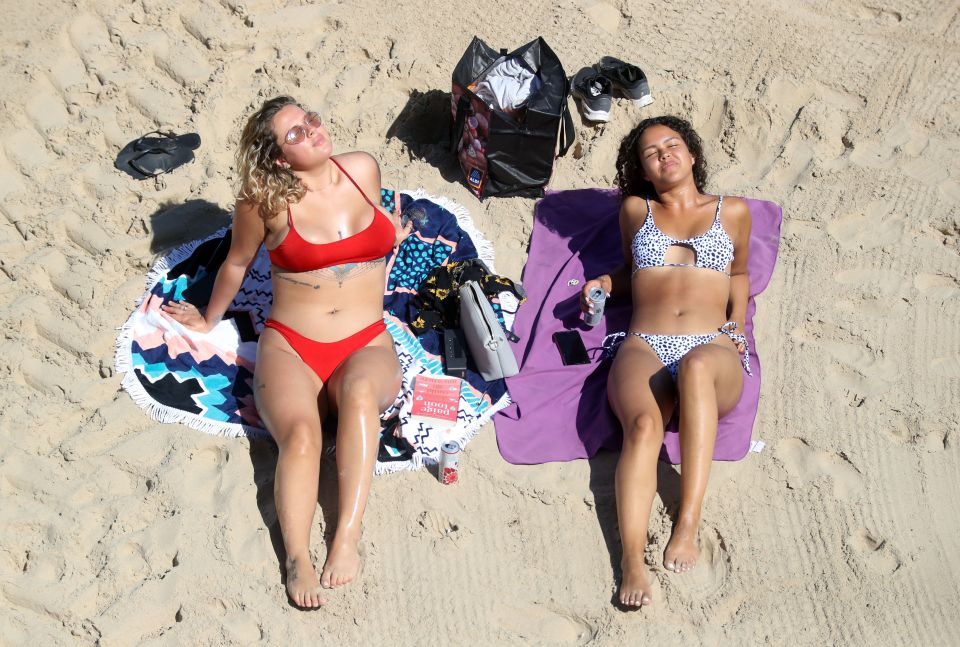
(342, 170)
(649, 210)
(289, 217)
(716, 218)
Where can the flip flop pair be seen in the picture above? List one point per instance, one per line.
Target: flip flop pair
(156, 153)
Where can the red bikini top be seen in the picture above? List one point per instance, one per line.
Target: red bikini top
(295, 254)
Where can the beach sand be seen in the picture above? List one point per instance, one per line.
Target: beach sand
(118, 530)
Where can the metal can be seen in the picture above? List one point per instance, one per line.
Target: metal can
(448, 471)
(597, 297)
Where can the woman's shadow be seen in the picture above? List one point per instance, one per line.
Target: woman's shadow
(173, 224)
(423, 126)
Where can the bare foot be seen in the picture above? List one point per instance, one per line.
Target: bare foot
(302, 585)
(342, 565)
(635, 584)
(682, 551)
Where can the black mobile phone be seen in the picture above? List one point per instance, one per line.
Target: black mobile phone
(570, 345)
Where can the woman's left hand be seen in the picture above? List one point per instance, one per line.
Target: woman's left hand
(741, 346)
(404, 230)
(186, 314)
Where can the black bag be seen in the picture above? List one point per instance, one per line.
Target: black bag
(505, 152)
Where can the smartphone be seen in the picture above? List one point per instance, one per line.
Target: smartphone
(570, 345)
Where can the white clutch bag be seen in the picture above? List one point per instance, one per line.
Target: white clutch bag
(486, 339)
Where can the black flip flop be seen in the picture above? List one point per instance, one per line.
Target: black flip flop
(156, 153)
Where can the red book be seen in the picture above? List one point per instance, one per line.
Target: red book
(435, 400)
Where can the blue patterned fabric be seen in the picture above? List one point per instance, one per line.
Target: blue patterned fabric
(437, 239)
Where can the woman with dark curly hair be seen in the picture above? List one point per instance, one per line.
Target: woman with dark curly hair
(685, 268)
(325, 346)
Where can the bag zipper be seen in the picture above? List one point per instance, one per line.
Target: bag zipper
(493, 343)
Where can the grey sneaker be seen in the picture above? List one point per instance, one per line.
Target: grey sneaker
(629, 80)
(595, 93)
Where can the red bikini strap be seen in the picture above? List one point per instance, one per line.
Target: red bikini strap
(354, 183)
(289, 217)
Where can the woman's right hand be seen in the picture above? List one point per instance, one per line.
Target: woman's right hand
(589, 285)
(186, 314)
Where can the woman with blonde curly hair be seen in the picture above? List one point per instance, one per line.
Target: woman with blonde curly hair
(325, 347)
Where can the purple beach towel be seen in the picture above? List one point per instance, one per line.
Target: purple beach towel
(560, 413)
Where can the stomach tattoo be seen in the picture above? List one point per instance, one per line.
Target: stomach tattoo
(340, 273)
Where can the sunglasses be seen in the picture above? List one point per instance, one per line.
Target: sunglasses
(298, 133)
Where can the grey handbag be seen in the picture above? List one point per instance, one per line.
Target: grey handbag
(485, 337)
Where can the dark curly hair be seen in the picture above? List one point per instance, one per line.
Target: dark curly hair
(630, 178)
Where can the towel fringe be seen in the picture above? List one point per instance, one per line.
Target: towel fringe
(394, 467)
(464, 221)
(170, 415)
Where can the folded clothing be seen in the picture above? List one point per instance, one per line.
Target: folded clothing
(507, 85)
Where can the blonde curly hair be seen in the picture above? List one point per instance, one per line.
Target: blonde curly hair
(262, 181)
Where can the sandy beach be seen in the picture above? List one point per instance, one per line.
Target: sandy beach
(844, 530)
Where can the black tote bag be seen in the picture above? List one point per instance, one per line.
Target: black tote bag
(509, 152)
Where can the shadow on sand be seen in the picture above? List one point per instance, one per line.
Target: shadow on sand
(174, 224)
(424, 128)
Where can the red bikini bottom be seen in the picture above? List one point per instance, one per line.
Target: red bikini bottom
(325, 357)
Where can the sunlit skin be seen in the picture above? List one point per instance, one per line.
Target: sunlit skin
(642, 394)
(325, 305)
